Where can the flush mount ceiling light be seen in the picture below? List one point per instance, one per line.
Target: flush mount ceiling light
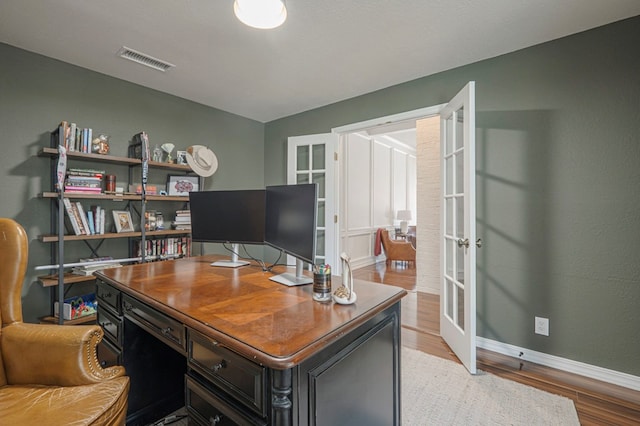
(262, 14)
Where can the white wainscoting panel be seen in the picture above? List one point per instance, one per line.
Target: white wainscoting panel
(382, 189)
(399, 181)
(358, 197)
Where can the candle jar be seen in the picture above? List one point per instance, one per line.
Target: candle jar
(322, 287)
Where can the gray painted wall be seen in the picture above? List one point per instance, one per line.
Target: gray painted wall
(558, 172)
(36, 93)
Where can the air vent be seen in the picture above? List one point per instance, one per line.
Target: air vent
(144, 59)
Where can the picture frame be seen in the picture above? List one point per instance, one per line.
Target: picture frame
(181, 157)
(122, 220)
(182, 185)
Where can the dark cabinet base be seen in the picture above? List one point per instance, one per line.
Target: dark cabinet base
(157, 376)
(357, 385)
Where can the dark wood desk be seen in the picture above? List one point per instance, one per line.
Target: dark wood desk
(254, 351)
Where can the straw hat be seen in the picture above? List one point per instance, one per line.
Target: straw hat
(202, 160)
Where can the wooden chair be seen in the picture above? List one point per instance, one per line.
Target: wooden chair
(50, 374)
(397, 250)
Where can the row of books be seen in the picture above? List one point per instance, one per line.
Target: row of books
(74, 138)
(84, 181)
(165, 248)
(90, 222)
(182, 220)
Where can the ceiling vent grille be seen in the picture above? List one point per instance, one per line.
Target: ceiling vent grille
(144, 59)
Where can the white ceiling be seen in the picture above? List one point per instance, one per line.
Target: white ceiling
(327, 50)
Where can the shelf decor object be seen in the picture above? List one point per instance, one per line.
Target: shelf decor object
(344, 295)
(202, 160)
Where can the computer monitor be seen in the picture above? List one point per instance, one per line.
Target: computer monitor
(290, 226)
(235, 217)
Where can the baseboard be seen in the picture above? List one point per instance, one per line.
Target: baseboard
(564, 364)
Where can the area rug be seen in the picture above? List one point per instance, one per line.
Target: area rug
(436, 391)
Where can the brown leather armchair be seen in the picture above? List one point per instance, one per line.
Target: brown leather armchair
(50, 374)
(397, 250)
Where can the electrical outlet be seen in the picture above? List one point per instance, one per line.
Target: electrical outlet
(542, 326)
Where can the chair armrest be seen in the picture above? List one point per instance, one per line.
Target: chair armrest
(56, 355)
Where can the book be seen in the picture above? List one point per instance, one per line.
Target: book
(71, 138)
(90, 221)
(85, 172)
(83, 218)
(82, 190)
(71, 215)
(97, 216)
(63, 129)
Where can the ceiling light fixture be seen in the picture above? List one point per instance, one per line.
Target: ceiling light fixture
(262, 14)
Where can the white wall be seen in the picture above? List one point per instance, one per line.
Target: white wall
(379, 178)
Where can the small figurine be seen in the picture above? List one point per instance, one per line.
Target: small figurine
(344, 295)
(157, 154)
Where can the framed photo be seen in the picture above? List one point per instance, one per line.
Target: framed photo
(182, 185)
(122, 220)
(181, 157)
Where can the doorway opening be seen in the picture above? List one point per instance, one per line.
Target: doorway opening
(387, 140)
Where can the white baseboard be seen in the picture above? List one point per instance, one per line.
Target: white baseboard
(564, 364)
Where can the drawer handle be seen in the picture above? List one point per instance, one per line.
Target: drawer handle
(166, 332)
(127, 306)
(215, 420)
(106, 324)
(219, 366)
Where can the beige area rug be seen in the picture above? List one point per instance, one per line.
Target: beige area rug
(436, 391)
(440, 392)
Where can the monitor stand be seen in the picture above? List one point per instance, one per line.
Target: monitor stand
(234, 262)
(292, 280)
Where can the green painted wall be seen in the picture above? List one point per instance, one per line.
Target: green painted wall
(558, 172)
(36, 93)
(558, 159)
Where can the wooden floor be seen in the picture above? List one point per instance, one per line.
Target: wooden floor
(597, 403)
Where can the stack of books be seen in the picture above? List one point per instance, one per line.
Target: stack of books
(182, 221)
(84, 181)
(92, 265)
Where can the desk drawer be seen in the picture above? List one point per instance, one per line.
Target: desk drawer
(108, 354)
(205, 408)
(111, 325)
(108, 296)
(235, 375)
(165, 328)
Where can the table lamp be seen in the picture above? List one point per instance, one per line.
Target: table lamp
(404, 216)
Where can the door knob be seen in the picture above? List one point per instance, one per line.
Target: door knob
(464, 242)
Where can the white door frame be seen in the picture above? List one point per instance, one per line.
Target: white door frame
(389, 121)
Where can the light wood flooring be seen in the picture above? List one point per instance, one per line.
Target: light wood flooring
(597, 403)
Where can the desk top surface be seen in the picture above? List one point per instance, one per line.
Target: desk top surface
(241, 308)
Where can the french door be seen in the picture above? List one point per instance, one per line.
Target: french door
(458, 227)
(310, 159)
